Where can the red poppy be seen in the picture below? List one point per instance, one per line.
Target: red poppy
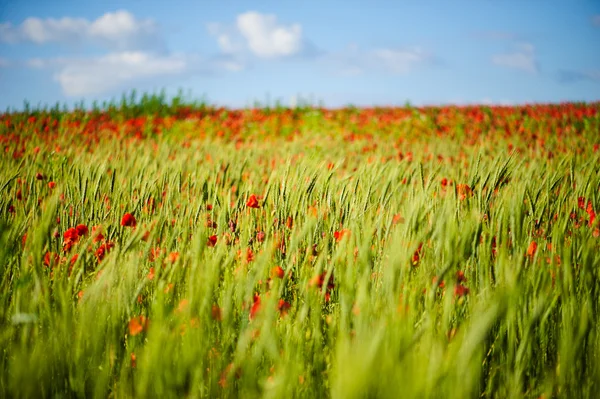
(103, 250)
(212, 241)
(460, 290)
(71, 234)
(128, 220)
(532, 249)
(590, 212)
(252, 202)
(173, 256)
(338, 235)
(51, 184)
(463, 191)
(137, 325)
(82, 229)
(97, 234)
(417, 255)
(215, 312)
(255, 307)
(283, 307)
(51, 259)
(277, 271)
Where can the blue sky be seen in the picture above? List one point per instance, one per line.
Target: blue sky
(234, 53)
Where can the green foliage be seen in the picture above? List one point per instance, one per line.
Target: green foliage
(435, 291)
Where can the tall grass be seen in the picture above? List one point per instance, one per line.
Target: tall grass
(474, 313)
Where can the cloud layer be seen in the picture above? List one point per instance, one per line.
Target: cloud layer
(119, 30)
(260, 34)
(398, 61)
(522, 58)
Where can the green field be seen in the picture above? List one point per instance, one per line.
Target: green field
(353, 253)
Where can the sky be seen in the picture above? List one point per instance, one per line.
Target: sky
(240, 53)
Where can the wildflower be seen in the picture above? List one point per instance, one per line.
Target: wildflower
(532, 249)
(338, 235)
(460, 290)
(128, 220)
(417, 255)
(51, 259)
(463, 191)
(277, 271)
(103, 250)
(97, 234)
(215, 312)
(81, 229)
(397, 218)
(137, 325)
(212, 241)
(255, 306)
(51, 185)
(252, 202)
(591, 213)
(283, 307)
(173, 256)
(319, 280)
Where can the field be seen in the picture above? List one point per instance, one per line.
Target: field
(165, 249)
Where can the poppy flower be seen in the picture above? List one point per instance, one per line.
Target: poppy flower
(283, 307)
(137, 325)
(590, 212)
(51, 185)
(252, 202)
(103, 250)
(338, 235)
(255, 307)
(460, 290)
(173, 256)
(417, 255)
(277, 271)
(97, 234)
(81, 229)
(532, 249)
(51, 259)
(128, 220)
(212, 241)
(215, 313)
(463, 191)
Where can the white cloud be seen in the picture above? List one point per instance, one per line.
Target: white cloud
(119, 30)
(79, 77)
(125, 69)
(354, 61)
(266, 38)
(261, 34)
(570, 76)
(397, 61)
(522, 58)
